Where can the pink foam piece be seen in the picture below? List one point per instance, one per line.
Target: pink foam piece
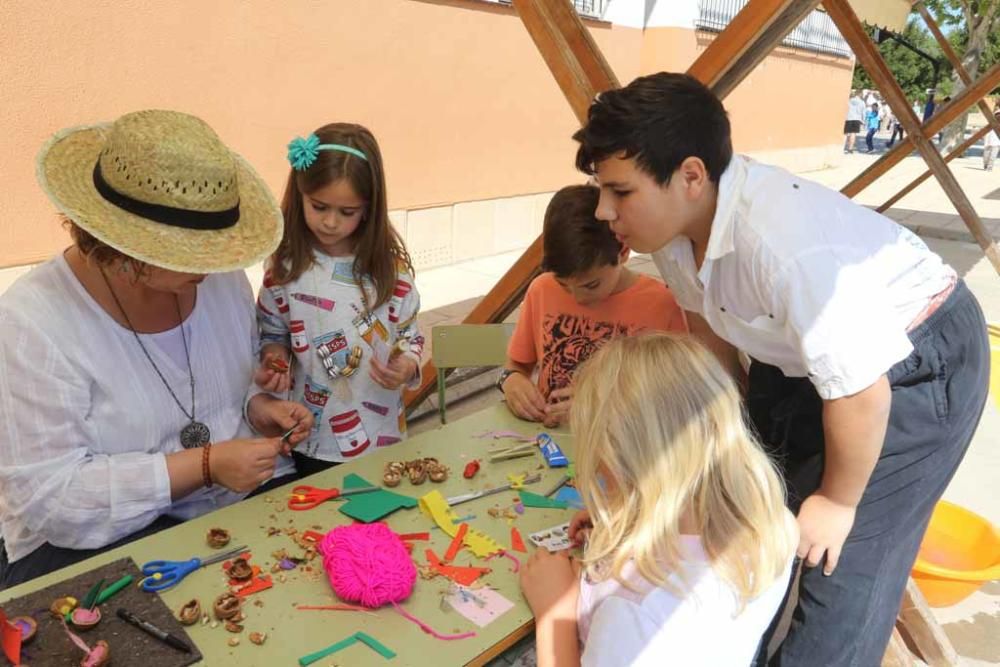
(368, 564)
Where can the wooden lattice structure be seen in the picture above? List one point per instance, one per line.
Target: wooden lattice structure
(581, 72)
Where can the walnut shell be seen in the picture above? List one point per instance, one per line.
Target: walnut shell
(227, 606)
(240, 569)
(217, 538)
(190, 613)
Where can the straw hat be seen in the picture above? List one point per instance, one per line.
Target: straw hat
(161, 187)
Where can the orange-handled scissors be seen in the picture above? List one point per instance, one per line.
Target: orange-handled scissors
(308, 497)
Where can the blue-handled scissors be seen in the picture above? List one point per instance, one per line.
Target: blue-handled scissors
(164, 574)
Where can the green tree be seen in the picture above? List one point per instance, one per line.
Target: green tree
(974, 26)
(914, 73)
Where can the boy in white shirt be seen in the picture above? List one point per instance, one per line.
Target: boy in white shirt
(869, 357)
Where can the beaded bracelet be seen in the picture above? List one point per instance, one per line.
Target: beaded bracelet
(206, 469)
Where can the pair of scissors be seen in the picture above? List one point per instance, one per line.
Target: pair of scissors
(466, 497)
(308, 497)
(163, 574)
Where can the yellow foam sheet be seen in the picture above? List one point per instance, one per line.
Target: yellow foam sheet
(435, 506)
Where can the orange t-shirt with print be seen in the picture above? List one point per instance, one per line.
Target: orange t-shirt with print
(557, 334)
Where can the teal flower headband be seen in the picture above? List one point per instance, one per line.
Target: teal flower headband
(303, 152)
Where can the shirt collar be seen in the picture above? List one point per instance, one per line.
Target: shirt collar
(720, 238)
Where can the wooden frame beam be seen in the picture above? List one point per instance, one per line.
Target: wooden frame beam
(958, 151)
(944, 115)
(870, 58)
(581, 72)
(956, 63)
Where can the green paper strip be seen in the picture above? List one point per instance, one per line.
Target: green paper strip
(376, 645)
(319, 655)
(113, 589)
(534, 500)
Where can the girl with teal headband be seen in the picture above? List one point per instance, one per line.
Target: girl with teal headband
(338, 308)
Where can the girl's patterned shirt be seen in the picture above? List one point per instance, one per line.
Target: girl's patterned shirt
(323, 309)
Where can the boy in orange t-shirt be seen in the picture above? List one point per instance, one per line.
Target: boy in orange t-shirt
(586, 297)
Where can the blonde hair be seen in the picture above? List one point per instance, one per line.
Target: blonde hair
(660, 435)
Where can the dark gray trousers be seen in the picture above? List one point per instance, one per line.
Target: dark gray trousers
(938, 395)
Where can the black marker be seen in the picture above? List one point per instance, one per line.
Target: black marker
(146, 626)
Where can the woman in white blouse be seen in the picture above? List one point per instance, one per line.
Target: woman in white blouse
(126, 360)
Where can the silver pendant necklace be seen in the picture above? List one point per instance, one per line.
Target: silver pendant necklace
(195, 433)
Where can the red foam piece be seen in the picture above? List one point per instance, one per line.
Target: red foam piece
(256, 585)
(462, 575)
(415, 536)
(10, 637)
(516, 542)
(456, 543)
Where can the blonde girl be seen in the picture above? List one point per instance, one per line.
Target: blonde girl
(338, 308)
(688, 543)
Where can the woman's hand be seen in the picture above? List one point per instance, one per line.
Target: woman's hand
(551, 585)
(269, 379)
(274, 417)
(243, 465)
(400, 370)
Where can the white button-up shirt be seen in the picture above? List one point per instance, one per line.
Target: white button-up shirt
(800, 277)
(86, 423)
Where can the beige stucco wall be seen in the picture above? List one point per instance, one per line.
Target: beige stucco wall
(794, 99)
(473, 128)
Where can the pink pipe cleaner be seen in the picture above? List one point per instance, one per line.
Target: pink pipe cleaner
(429, 630)
(513, 568)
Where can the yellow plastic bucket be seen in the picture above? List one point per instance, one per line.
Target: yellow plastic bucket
(960, 552)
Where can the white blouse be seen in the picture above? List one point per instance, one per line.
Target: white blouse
(85, 423)
(621, 627)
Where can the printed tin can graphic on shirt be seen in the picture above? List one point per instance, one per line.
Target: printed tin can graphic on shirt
(279, 300)
(399, 293)
(297, 330)
(315, 394)
(349, 432)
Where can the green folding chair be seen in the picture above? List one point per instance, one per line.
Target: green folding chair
(466, 346)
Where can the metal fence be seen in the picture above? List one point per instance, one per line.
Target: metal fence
(591, 9)
(816, 32)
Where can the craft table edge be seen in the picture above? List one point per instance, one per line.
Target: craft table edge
(455, 445)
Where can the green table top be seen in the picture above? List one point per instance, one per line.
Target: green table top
(293, 633)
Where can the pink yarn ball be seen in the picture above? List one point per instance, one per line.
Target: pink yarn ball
(368, 564)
